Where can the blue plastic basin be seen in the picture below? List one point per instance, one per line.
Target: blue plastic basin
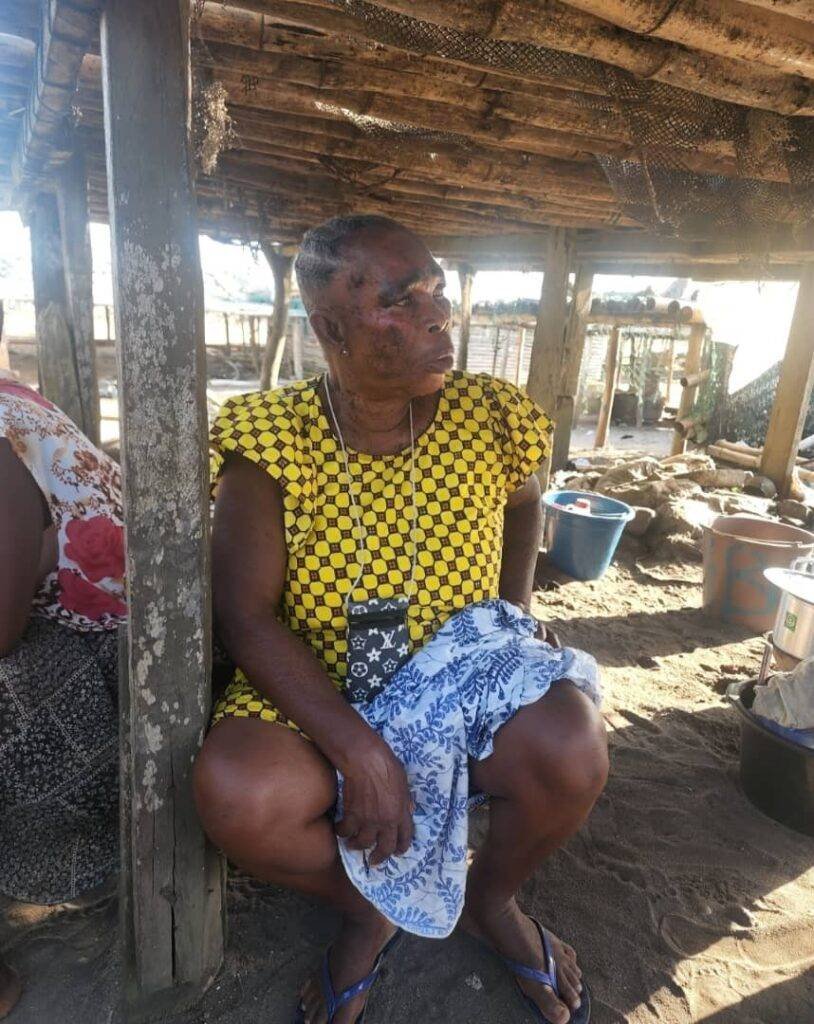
(583, 545)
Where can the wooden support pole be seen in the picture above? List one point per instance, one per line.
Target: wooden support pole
(611, 365)
(175, 929)
(574, 346)
(671, 358)
(55, 349)
(226, 331)
(297, 328)
(793, 391)
(692, 366)
(549, 356)
(467, 277)
(521, 344)
(72, 201)
(107, 322)
(275, 339)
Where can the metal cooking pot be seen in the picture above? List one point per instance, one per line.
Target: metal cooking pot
(794, 624)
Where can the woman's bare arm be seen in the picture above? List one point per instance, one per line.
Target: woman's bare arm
(21, 543)
(522, 533)
(249, 562)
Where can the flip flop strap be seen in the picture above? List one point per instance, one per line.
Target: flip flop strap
(334, 1002)
(546, 977)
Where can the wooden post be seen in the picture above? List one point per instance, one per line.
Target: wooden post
(275, 337)
(296, 347)
(55, 350)
(175, 930)
(107, 322)
(793, 391)
(521, 344)
(226, 330)
(574, 345)
(548, 351)
(5, 358)
(611, 365)
(692, 366)
(467, 276)
(671, 358)
(495, 349)
(72, 201)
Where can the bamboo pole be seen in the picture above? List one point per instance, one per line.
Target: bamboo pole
(692, 367)
(611, 366)
(467, 276)
(521, 344)
(793, 393)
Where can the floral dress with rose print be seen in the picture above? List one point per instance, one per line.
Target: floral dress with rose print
(82, 488)
(59, 682)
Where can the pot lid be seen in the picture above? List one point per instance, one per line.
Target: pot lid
(798, 584)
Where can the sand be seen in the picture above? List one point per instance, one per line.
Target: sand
(684, 902)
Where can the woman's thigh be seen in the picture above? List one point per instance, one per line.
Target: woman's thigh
(255, 780)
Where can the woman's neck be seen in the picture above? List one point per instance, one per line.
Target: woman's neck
(378, 426)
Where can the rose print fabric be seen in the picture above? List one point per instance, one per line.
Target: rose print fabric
(82, 488)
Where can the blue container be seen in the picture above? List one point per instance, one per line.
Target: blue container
(579, 544)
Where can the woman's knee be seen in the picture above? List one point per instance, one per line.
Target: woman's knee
(254, 788)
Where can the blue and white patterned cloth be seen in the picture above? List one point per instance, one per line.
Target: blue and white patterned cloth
(440, 709)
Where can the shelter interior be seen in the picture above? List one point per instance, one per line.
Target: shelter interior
(594, 136)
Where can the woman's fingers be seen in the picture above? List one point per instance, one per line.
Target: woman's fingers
(385, 846)
(365, 838)
(347, 826)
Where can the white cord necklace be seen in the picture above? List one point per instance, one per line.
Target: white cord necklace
(361, 539)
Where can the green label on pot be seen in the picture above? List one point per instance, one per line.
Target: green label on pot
(791, 622)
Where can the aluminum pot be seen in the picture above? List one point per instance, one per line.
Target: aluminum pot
(793, 632)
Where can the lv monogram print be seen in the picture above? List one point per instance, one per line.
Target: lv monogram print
(378, 645)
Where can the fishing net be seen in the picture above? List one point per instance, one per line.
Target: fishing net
(769, 157)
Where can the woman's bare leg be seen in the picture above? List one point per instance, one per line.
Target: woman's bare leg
(264, 795)
(548, 767)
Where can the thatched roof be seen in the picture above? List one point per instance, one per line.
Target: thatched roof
(676, 131)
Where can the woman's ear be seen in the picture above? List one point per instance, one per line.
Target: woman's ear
(327, 329)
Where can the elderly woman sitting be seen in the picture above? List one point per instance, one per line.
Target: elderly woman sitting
(375, 538)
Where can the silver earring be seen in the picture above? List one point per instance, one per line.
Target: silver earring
(343, 352)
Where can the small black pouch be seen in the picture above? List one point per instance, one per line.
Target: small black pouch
(378, 645)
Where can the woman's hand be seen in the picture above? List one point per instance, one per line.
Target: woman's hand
(378, 809)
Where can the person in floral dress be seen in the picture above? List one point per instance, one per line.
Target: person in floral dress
(62, 599)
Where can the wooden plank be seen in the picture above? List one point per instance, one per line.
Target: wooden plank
(158, 289)
(78, 265)
(611, 365)
(548, 351)
(275, 339)
(55, 350)
(691, 367)
(467, 277)
(793, 391)
(574, 346)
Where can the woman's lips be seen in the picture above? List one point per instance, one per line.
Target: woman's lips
(442, 363)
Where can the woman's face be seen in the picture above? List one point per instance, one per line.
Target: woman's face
(388, 311)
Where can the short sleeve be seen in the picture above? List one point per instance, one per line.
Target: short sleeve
(526, 430)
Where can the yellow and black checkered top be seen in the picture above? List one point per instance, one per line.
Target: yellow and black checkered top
(486, 439)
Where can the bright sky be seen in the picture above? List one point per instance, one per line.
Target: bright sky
(752, 315)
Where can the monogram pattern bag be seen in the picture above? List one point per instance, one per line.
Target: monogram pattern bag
(378, 645)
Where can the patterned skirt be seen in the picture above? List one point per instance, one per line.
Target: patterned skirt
(58, 763)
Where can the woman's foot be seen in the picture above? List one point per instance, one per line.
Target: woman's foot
(514, 935)
(352, 957)
(11, 988)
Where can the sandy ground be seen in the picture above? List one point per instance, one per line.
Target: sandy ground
(684, 902)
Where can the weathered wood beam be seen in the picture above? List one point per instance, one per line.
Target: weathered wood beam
(574, 345)
(45, 136)
(55, 344)
(549, 354)
(281, 265)
(561, 27)
(692, 366)
(72, 201)
(605, 410)
(793, 394)
(466, 275)
(176, 923)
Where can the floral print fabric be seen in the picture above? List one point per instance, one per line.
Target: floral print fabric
(82, 488)
(441, 709)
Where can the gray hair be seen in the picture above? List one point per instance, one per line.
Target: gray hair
(321, 251)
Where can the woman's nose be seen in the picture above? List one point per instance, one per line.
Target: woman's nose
(441, 314)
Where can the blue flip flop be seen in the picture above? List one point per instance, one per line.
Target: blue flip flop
(548, 977)
(334, 1002)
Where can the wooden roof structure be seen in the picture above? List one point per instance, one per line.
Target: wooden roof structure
(630, 136)
(481, 123)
